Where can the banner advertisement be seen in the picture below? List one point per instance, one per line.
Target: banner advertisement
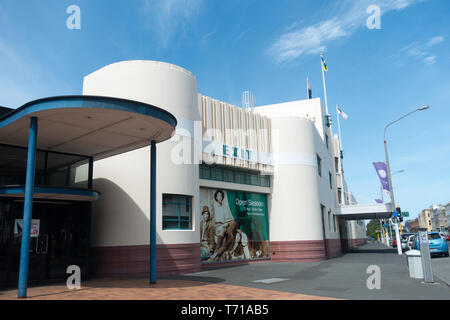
(233, 225)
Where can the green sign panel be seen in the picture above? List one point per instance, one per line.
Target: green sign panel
(233, 225)
(405, 214)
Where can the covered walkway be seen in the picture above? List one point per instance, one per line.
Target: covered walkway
(365, 211)
(90, 126)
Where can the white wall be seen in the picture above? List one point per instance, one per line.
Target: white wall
(121, 217)
(309, 118)
(295, 212)
(310, 109)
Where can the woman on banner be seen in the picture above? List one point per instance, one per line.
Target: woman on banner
(207, 233)
(222, 217)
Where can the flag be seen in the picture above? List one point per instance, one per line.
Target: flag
(309, 89)
(378, 201)
(342, 113)
(381, 169)
(324, 64)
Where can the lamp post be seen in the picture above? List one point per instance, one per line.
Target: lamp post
(390, 222)
(397, 235)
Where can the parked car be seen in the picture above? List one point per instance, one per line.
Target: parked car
(437, 244)
(412, 242)
(407, 240)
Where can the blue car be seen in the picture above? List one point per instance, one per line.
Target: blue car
(438, 244)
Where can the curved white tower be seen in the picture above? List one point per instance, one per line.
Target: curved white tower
(296, 228)
(120, 225)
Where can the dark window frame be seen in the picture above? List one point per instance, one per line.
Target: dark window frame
(46, 170)
(331, 180)
(319, 165)
(187, 202)
(234, 175)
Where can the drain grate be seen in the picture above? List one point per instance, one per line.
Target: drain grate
(271, 280)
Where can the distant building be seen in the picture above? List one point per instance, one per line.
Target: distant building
(425, 219)
(412, 225)
(447, 214)
(438, 218)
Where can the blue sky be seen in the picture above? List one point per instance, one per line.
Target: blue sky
(268, 47)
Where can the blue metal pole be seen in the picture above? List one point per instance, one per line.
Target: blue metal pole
(153, 212)
(27, 209)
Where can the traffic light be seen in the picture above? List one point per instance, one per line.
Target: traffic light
(399, 211)
(328, 120)
(401, 219)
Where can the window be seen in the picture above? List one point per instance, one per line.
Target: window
(319, 165)
(336, 164)
(177, 212)
(434, 236)
(322, 213)
(233, 175)
(205, 172)
(339, 196)
(52, 168)
(329, 220)
(228, 175)
(331, 180)
(254, 179)
(326, 140)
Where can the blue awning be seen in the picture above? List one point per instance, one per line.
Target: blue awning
(93, 126)
(51, 193)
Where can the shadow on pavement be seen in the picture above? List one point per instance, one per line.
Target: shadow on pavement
(163, 282)
(390, 251)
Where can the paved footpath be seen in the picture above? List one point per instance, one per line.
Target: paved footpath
(344, 277)
(441, 269)
(164, 289)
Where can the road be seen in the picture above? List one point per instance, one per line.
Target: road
(441, 268)
(342, 277)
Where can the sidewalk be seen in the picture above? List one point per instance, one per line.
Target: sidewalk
(165, 289)
(344, 277)
(441, 269)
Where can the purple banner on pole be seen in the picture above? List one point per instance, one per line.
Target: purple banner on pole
(381, 169)
(378, 201)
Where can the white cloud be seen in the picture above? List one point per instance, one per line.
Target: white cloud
(206, 37)
(422, 50)
(167, 17)
(430, 60)
(434, 41)
(312, 39)
(306, 41)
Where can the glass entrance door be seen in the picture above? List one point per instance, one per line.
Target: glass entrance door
(60, 239)
(69, 238)
(11, 215)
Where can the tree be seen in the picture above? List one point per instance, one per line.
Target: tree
(372, 228)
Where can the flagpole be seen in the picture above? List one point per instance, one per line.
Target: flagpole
(307, 88)
(324, 85)
(339, 128)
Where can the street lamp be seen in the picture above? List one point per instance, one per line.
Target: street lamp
(397, 235)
